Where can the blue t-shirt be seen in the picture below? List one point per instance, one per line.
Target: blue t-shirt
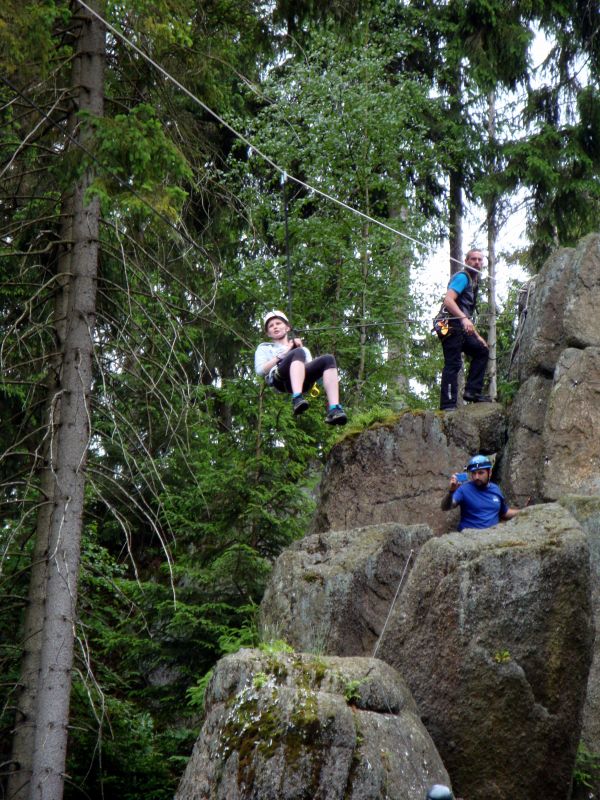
(458, 282)
(479, 508)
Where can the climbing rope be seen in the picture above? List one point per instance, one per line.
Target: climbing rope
(387, 619)
(521, 324)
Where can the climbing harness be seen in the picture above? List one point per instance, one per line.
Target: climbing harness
(441, 322)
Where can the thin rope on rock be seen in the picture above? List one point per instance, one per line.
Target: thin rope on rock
(387, 619)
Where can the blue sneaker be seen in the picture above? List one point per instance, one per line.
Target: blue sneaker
(299, 404)
(336, 416)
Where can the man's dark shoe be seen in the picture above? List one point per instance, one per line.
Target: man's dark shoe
(299, 404)
(336, 416)
(468, 397)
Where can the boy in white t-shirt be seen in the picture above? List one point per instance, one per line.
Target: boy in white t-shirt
(287, 366)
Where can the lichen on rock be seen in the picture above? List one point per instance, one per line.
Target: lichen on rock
(343, 729)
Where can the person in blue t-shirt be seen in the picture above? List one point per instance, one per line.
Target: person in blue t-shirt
(482, 504)
(462, 337)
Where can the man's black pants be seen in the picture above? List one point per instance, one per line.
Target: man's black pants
(454, 345)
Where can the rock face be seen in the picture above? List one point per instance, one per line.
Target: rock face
(586, 511)
(571, 435)
(331, 592)
(521, 465)
(562, 308)
(399, 473)
(543, 335)
(296, 727)
(554, 429)
(493, 634)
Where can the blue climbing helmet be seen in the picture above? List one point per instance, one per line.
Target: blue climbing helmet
(479, 462)
(439, 792)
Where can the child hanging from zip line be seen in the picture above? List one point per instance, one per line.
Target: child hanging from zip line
(288, 366)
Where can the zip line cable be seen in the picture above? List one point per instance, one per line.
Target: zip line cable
(247, 142)
(373, 324)
(126, 186)
(400, 322)
(283, 173)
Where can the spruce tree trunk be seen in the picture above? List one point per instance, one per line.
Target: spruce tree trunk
(70, 441)
(456, 213)
(398, 342)
(31, 634)
(360, 378)
(492, 363)
(492, 229)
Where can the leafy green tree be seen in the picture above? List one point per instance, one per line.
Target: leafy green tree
(336, 121)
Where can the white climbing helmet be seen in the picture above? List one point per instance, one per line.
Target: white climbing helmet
(274, 315)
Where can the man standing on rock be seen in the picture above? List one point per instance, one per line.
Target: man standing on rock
(461, 336)
(482, 504)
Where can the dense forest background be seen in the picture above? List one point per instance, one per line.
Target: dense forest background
(166, 178)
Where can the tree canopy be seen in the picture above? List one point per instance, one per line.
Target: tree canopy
(191, 475)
